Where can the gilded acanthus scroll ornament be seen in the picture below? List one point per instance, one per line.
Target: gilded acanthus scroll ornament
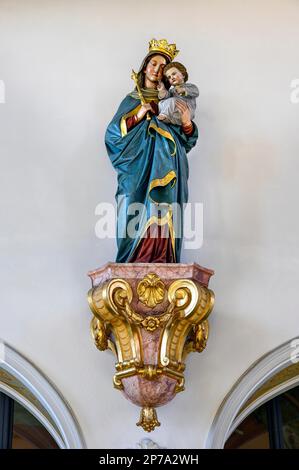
(181, 327)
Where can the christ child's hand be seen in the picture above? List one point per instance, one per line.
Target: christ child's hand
(180, 89)
(161, 86)
(162, 90)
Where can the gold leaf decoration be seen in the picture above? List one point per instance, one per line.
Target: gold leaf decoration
(151, 323)
(148, 419)
(151, 290)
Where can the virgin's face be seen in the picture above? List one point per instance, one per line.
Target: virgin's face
(154, 68)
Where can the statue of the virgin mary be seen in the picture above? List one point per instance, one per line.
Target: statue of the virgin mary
(150, 159)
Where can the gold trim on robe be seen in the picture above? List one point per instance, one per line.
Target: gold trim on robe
(171, 176)
(123, 124)
(164, 133)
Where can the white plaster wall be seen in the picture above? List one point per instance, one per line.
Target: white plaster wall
(66, 66)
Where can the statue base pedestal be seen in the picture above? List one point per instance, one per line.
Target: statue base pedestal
(151, 316)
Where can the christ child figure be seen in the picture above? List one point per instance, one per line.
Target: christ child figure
(176, 76)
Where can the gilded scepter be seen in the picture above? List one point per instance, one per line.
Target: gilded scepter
(134, 77)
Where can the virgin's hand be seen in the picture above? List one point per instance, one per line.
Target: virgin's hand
(183, 108)
(143, 110)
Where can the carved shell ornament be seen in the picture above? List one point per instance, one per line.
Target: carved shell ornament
(151, 290)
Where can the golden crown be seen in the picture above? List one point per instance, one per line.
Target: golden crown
(161, 45)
